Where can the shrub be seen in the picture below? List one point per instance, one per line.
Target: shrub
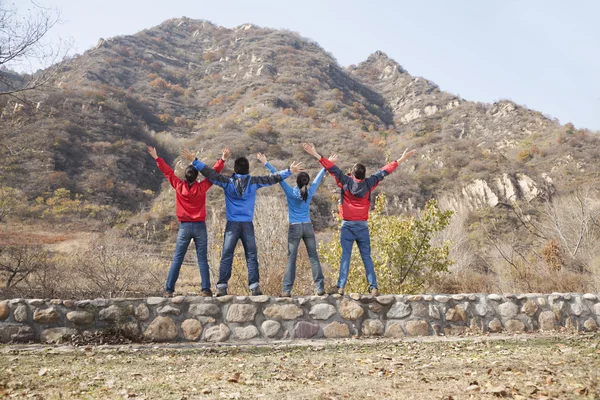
(525, 155)
(330, 106)
(404, 257)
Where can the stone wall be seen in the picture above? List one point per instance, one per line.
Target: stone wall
(243, 318)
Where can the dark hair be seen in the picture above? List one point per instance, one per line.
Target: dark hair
(359, 171)
(191, 174)
(241, 166)
(302, 181)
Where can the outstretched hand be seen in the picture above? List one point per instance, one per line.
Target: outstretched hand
(226, 152)
(311, 149)
(262, 158)
(406, 155)
(333, 158)
(296, 167)
(188, 155)
(152, 152)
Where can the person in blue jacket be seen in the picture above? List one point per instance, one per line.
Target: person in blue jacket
(240, 197)
(300, 228)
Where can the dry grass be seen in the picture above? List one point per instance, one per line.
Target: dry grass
(528, 367)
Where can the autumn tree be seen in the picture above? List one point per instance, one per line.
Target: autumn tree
(405, 258)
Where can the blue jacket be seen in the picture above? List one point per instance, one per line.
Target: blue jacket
(298, 209)
(240, 190)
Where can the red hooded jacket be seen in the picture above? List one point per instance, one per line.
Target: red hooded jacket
(356, 193)
(191, 200)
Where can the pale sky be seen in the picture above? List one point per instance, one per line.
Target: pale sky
(544, 54)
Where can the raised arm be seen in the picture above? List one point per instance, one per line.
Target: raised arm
(315, 184)
(340, 178)
(287, 189)
(164, 168)
(262, 181)
(218, 167)
(205, 170)
(378, 176)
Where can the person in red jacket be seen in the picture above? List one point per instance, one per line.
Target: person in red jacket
(354, 209)
(190, 209)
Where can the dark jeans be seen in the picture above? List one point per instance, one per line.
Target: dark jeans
(235, 231)
(297, 232)
(356, 231)
(187, 232)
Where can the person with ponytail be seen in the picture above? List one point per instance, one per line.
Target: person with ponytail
(190, 208)
(300, 228)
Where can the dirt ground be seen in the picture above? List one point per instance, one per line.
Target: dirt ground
(561, 366)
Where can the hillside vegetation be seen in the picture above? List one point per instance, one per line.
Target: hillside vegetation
(74, 157)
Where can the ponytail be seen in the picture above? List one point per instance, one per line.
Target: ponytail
(302, 180)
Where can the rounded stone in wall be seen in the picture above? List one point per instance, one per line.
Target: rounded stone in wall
(305, 330)
(4, 310)
(161, 329)
(590, 325)
(372, 327)
(547, 321)
(508, 309)
(336, 330)
(218, 333)
(322, 311)
(142, 312)
(385, 300)
(376, 307)
(80, 317)
(168, 310)
(112, 313)
(456, 314)
(454, 330)
(271, 328)
(246, 332)
(54, 335)
(514, 325)
(394, 330)
(417, 328)
(204, 309)
(21, 313)
(495, 326)
(241, 312)
(283, 311)
(192, 329)
(578, 308)
(350, 309)
(597, 309)
(530, 308)
(419, 310)
(46, 315)
(399, 310)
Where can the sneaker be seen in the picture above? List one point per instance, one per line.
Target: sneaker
(206, 293)
(256, 291)
(221, 292)
(340, 290)
(374, 292)
(168, 294)
(321, 292)
(285, 294)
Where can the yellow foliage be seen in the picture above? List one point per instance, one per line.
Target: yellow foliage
(405, 260)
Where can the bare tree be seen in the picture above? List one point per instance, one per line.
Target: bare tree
(114, 265)
(17, 263)
(23, 45)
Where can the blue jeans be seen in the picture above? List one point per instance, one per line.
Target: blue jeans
(235, 231)
(296, 232)
(187, 232)
(356, 231)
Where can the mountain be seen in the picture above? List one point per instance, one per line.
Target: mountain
(76, 153)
